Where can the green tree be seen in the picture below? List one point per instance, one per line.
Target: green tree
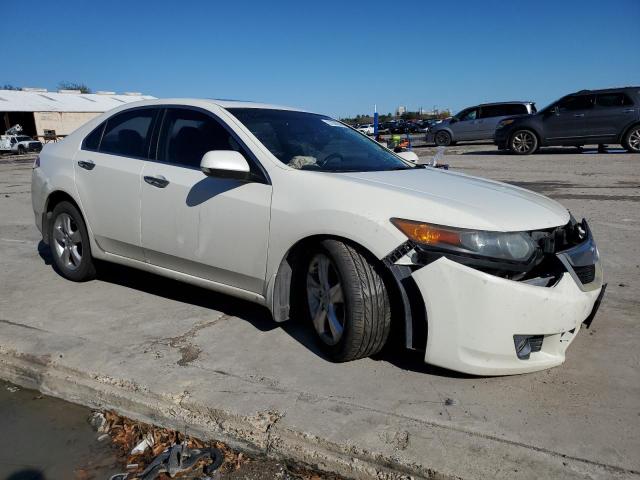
(74, 86)
(8, 86)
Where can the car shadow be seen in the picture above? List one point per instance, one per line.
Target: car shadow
(258, 316)
(210, 187)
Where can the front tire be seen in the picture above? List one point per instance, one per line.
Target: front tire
(631, 141)
(523, 142)
(442, 139)
(347, 302)
(69, 241)
(21, 150)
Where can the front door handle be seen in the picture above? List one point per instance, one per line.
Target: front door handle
(629, 110)
(158, 181)
(579, 115)
(88, 165)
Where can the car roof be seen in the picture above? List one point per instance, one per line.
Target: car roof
(210, 101)
(607, 90)
(505, 103)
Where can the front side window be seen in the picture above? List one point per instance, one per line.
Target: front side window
(309, 141)
(128, 133)
(613, 100)
(576, 102)
(468, 115)
(188, 134)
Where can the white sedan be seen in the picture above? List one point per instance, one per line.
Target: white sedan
(300, 213)
(366, 129)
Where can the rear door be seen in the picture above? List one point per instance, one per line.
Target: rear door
(209, 227)
(467, 127)
(611, 114)
(107, 173)
(569, 123)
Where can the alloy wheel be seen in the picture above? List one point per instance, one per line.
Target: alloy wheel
(523, 142)
(634, 140)
(442, 138)
(325, 298)
(67, 241)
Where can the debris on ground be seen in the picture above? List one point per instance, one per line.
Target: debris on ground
(12, 389)
(151, 452)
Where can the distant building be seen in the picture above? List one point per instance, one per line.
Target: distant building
(42, 113)
(400, 110)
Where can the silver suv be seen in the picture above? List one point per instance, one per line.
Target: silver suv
(476, 123)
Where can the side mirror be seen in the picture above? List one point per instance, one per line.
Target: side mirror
(453, 120)
(554, 110)
(225, 164)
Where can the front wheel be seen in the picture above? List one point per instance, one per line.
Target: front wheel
(21, 150)
(442, 139)
(523, 142)
(631, 140)
(347, 302)
(69, 242)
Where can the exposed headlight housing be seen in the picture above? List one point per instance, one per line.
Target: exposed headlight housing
(510, 246)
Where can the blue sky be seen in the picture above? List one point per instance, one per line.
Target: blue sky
(334, 57)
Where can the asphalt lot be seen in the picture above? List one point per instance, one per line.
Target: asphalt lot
(180, 356)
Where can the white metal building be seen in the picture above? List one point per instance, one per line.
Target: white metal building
(47, 115)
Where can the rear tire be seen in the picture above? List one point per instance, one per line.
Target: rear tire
(523, 142)
(347, 303)
(631, 140)
(442, 138)
(69, 242)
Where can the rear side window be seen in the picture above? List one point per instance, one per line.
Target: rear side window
(188, 134)
(92, 141)
(128, 133)
(576, 102)
(503, 110)
(613, 100)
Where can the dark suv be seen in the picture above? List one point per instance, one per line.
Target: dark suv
(585, 117)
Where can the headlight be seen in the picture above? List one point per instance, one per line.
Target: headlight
(504, 123)
(512, 246)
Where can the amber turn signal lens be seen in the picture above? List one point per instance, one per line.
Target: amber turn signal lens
(425, 233)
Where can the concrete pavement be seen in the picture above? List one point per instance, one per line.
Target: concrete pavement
(180, 356)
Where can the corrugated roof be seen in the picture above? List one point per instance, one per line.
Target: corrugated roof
(19, 101)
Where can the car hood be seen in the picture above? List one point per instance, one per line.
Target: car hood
(455, 199)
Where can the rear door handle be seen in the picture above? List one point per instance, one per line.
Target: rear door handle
(579, 115)
(629, 110)
(158, 181)
(87, 165)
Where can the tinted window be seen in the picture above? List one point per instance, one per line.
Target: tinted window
(128, 133)
(92, 141)
(613, 100)
(188, 134)
(576, 102)
(468, 114)
(503, 110)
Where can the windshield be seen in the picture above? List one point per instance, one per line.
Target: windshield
(308, 141)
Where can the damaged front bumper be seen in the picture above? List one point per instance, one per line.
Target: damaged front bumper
(483, 324)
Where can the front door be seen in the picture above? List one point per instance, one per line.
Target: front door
(107, 172)
(567, 123)
(212, 228)
(467, 125)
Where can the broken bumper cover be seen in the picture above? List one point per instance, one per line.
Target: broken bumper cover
(473, 317)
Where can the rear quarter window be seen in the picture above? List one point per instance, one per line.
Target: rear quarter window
(92, 141)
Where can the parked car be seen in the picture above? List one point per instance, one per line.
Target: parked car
(586, 117)
(19, 144)
(476, 123)
(318, 223)
(367, 129)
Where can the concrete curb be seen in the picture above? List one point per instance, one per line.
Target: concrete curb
(266, 433)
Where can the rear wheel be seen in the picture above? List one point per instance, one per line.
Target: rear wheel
(523, 142)
(69, 242)
(442, 138)
(347, 302)
(631, 140)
